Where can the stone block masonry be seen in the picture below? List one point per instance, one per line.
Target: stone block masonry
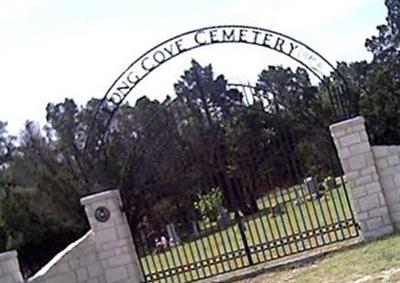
(106, 254)
(368, 196)
(9, 268)
(387, 160)
(73, 264)
(114, 244)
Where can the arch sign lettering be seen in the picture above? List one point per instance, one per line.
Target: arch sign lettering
(223, 34)
(188, 41)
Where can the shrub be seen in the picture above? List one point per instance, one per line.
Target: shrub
(209, 204)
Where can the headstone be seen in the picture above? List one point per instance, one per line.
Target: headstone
(311, 184)
(341, 179)
(299, 200)
(330, 183)
(195, 229)
(242, 226)
(223, 220)
(144, 240)
(172, 235)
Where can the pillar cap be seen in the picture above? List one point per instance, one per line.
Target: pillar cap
(8, 255)
(100, 196)
(346, 123)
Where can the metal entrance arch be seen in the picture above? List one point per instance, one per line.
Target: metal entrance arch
(243, 196)
(162, 53)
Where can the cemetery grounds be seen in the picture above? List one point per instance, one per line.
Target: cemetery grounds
(262, 227)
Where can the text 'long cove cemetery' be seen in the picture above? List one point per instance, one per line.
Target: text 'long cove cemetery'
(185, 42)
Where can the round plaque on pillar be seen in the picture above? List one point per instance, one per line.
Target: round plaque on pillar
(102, 214)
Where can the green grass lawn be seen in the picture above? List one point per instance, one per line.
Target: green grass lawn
(308, 225)
(377, 261)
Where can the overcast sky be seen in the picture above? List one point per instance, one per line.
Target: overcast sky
(52, 49)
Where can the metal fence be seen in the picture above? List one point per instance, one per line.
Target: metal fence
(288, 222)
(223, 183)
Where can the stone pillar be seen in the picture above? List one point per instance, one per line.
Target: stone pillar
(114, 244)
(358, 163)
(9, 268)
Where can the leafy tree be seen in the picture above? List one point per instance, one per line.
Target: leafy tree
(386, 45)
(381, 105)
(7, 148)
(374, 86)
(216, 111)
(293, 105)
(209, 205)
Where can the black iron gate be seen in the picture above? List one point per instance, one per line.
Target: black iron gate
(226, 177)
(223, 176)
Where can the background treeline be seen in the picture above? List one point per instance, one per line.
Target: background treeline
(166, 153)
